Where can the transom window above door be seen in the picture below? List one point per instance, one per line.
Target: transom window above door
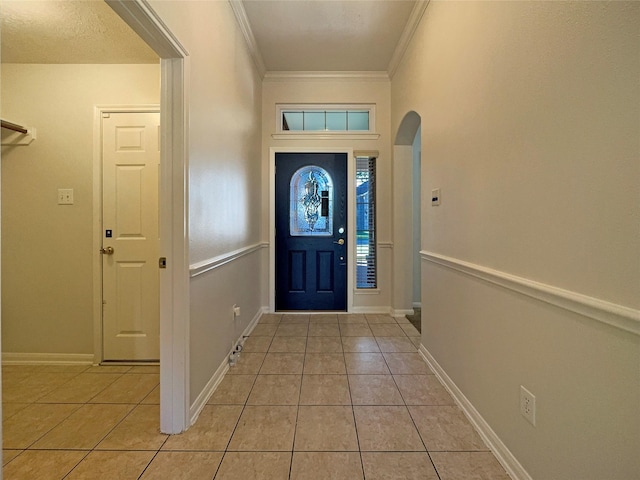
(335, 119)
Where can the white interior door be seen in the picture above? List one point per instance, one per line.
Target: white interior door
(131, 163)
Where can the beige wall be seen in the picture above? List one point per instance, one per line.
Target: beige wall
(530, 124)
(224, 128)
(224, 179)
(47, 282)
(307, 89)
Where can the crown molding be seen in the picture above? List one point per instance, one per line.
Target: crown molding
(245, 28)
(329, 76)
(407, 34)
(274, 76)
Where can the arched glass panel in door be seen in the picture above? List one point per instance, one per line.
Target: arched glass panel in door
(311, 207)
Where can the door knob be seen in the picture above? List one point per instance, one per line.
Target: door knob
(106, 250)
(340, 241)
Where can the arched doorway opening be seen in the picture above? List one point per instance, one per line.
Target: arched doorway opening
(406, 215)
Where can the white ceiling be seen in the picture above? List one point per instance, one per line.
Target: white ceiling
(285, 35)
(333, 35)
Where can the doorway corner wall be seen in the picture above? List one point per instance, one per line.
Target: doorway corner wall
(173, 204)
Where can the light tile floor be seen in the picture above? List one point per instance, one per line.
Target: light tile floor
(311, 397)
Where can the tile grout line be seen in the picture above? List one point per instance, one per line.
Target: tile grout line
(76, 465)
(403, 369)
(244, 406)
(51, 429)
(88, 451)
(415, 426)
(295, 429)
(353, 411)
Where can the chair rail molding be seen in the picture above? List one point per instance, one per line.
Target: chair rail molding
(215, 262)
(624, 318)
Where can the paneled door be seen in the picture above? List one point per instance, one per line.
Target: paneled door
(311, 231)
(130, 236)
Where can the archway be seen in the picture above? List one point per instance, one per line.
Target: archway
(406, 215)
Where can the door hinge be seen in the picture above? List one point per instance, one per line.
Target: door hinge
(162, 262)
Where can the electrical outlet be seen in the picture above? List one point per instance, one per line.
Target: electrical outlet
(528, 405)
(65, 196)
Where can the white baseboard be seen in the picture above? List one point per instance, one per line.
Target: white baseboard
(9, 358)
(402, 312)
(372, 310)
(214, 381)
(417, 305)
(510, 463)
(207, 391)
(254, 321)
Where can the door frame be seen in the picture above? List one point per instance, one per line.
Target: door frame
(351, 237)
(98, 226)
(174, 208)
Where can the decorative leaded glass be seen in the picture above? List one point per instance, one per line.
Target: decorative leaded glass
(311, 202)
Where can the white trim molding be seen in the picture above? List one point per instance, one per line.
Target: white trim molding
(402, 312)
(624, 318)
(173, 209)
(369, 134)
(9, 358)
(366, 291)
(286, 76)
(215, 262)
(219, 374)
(141, 17)
(407, 34)
(325, 136)
(351, 199)
(99, 111)
(245, 28)
(510, 463)
(372, 310)
(207, 391)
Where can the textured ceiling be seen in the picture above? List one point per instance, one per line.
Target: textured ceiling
(290, 35)
(333, 35)
(56, 31)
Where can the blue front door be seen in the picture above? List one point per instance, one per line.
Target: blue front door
(311, 231)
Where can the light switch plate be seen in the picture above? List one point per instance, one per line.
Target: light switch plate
(435, 197)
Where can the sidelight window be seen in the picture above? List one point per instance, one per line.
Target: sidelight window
(366, 253)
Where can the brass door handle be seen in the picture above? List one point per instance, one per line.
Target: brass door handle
(107, 250)
(340, 241)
